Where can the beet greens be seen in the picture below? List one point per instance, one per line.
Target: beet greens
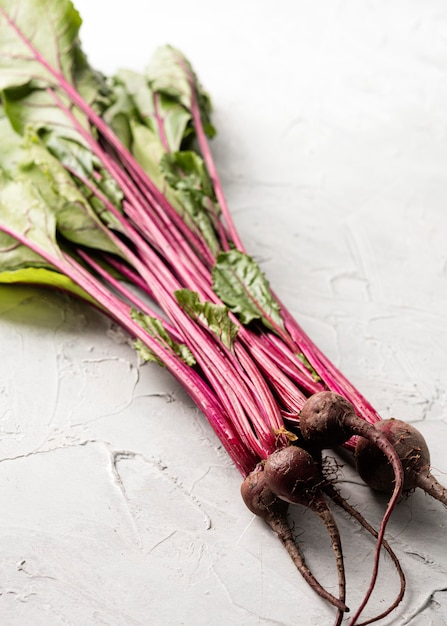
(110, 181)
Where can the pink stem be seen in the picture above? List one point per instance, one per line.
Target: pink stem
(212, 170)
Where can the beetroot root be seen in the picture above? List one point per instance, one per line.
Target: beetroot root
(262, 501)
(294, 476)
(338, 499)
(328, 420)
(412, 449)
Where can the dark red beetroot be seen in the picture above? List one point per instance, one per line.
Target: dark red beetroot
(261, 501)
(328, 420)
(292, 474)
(413, 453)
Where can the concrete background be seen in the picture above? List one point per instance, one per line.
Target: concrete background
(118, 505)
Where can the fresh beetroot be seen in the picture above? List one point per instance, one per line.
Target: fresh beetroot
(261, 501)
(292, 474)
(413, 453)
(328, 420)
(259, 498)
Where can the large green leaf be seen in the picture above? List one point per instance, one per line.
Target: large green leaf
(241, 285)
(28, 161)
(213, 316)
(23, 211)
(44, 277)
(75, 218)
(33, 113)
(39, 54)
(51, 26)
(29, 107)
(22, 214)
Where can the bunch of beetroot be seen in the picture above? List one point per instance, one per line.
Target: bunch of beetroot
(391, 456)
(108, 183)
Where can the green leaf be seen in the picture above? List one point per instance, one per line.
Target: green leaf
(25, 211)
(213, 316)
(148, 106)
(40, 50)
(13, 255)
(29, 162)
(140, 98)
(34, 114)
(93, 86)
(37, 197)
(155, 328)
(121, 111)
(45, 277)
(75, 218)
(148, 151)
(171, 74)
(52, 26)
(185, 172)
(175, 121)
(80, 159)
(11, 150)
(240, 284)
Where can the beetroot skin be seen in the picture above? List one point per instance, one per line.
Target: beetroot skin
(373, 466)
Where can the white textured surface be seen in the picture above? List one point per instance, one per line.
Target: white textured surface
(118, 505)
